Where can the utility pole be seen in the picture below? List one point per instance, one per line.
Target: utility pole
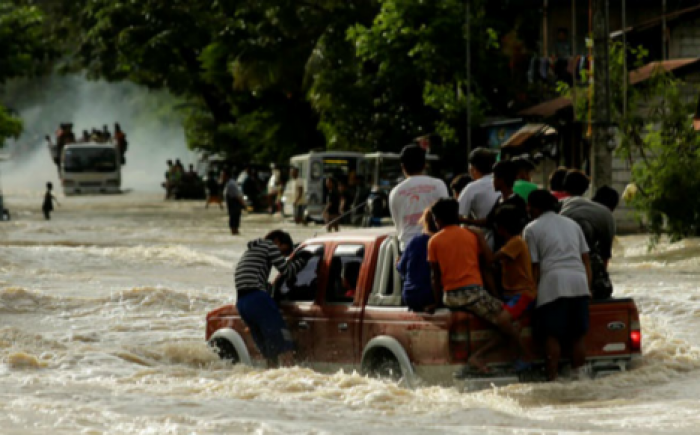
(468, 38)
(602, 149)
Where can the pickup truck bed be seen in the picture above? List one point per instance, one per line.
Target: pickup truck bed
(373, 333)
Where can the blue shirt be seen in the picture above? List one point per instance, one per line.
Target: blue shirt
(415, 271)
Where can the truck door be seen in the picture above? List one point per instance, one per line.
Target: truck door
(337, 333)
(299, 307)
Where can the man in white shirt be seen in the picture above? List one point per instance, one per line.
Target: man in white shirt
(408, 200)
(299, 196)
(479, 197)
(561, 267)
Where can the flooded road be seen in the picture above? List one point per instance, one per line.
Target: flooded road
(102, 323)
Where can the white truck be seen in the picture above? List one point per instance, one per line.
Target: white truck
(90, 167)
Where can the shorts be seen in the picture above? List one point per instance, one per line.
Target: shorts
(267, 327)
(299, 212)
(565, 319)
(518, 305)
(476, 300)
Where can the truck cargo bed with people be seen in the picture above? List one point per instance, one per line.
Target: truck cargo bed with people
(344, 310)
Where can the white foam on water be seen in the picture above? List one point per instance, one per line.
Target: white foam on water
(102, 331)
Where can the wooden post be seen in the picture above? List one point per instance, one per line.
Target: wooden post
(469, 76)
(624, 58)
(664, 40)
(601, 160)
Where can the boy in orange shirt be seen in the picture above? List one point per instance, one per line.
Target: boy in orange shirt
(517, 281)
(454, 255)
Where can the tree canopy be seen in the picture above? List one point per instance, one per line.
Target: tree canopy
(266, 79)
(23, 52)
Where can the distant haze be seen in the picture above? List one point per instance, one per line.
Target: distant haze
(147, 117)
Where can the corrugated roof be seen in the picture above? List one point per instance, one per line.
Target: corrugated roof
(644, 73)
(548, 108)
(551, 107)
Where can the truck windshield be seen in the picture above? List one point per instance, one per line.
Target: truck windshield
(90, 160)
(339, 167)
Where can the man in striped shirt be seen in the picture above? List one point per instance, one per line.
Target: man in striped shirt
(255, 305)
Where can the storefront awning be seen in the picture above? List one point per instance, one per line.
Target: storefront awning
(529, 131)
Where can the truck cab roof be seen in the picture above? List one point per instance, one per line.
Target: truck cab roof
(362, 235)
(90, 145)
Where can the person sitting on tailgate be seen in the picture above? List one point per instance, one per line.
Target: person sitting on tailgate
(456, 255)
(414, 268)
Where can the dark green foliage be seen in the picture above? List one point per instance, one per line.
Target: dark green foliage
(656, 135)
(23, 52)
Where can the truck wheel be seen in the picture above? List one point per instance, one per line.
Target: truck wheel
(384, 365)
(225, 350)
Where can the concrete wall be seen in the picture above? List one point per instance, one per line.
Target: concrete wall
(625, 217)
(685, 39)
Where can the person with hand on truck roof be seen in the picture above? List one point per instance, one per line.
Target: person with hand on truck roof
(255, 305)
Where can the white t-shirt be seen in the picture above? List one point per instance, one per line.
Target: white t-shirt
(299, 183)
(477, 201)
(478, 198)
(272, 186)
(557, 243)
(408, 201)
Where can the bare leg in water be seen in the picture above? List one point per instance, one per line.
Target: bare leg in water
(552, 350)
(509, 330)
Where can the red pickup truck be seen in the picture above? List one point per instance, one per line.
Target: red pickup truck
(371, 331)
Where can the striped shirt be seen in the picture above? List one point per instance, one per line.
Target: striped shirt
(253, 270)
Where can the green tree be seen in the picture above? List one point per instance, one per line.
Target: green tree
(403, 75)
(22, 52)
(657, 137)
(239, 66)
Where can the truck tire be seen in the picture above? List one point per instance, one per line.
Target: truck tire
(384, 365)
(225, 350)
(385, 357)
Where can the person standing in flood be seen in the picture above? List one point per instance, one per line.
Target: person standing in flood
(254, 302)
(235, 204)
(561, 268)
(49, 199)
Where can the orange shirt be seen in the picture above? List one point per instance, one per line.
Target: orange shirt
(517, 268)
(457, 251)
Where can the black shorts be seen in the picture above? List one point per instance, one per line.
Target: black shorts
(565, 319)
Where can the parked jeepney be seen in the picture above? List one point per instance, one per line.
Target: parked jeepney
(314, 168)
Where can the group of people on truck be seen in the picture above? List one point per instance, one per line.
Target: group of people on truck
(497, 246)
(503, 249)
(66, 136)
(181, 183)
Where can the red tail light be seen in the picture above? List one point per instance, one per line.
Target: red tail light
(636, 340)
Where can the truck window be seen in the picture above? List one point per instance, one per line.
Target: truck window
(304, 286)
(344, 274)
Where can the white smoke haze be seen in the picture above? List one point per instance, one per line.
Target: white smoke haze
(147, 117)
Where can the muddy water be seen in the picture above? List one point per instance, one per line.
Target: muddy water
(102, 320)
